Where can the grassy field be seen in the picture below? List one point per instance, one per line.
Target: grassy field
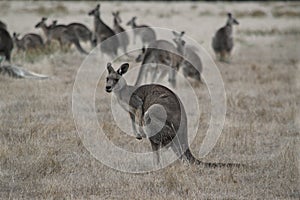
(42, 156)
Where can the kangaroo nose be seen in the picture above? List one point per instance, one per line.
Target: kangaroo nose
(108, 88)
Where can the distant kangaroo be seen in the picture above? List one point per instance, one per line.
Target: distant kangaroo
(191, 69)
(28, 42)
(146, 105)
(146, 33)
(159, 52)
(61, 33)
(103, 32)
(123, 38)
(15, 71)
(222, 42)
(6, 42)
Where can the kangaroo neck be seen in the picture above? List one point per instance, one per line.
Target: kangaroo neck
(116, 24)
(124, 93)
(46, 29)
(98, 22)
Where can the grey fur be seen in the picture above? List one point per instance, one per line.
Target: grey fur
(28, 41)
(222, 42)
(6, 42)
(61, 33)
(123, 38)
(143, 104)
(103, 32)
(159, 52)
(146, 33)
(192, 69)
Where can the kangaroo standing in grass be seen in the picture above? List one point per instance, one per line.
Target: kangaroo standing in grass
(191, 69)
(61, 33)
(123, 38)
(103, 32)
(159, 52)
(28, 42)
(146, 33)
(6, 42)
(222, 42)
(159, 113)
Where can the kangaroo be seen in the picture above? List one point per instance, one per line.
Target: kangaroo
(28, 41)
(61, 33)
(222, 42)
(159, 52)
(144, 106)
(19, 72)
(146, 33)
(123, 38)
(103, 32)
(191, 69)
(3, 25)
(6, 42)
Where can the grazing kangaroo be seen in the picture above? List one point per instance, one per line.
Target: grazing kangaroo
(19, 72)
(191, 69)
(144, 106)
(159, 52)
(146, 33)
(61, 33)
(103, 32)
(28, 42)
(6, 42)
(123, 38)
(222, 42)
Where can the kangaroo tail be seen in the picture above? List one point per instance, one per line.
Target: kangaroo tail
(193, 160)
(78, 46)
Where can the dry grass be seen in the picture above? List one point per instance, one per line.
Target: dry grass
(42, 156)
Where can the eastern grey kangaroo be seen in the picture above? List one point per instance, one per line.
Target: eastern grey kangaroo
(144, 106)
(103, 32)
(222, 42)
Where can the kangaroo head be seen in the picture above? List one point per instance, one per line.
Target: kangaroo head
(41, 23)
(114, 79)
(54, 23)
(117, 16)
(141, 56)
(95, 11)
(178, 38)
(231, 20)
(132, 21)
(16, 35)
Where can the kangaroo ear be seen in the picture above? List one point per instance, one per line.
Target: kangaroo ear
(44, 19)
(229, 15)
(110, 69)
(174, 33)
(123, 69)
(98, 6)
(144, 49)
(182, 33)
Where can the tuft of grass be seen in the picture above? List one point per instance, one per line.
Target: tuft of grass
(286, 13)
(205, 13)
(242, 14)
(45, 11)
(268, 32)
